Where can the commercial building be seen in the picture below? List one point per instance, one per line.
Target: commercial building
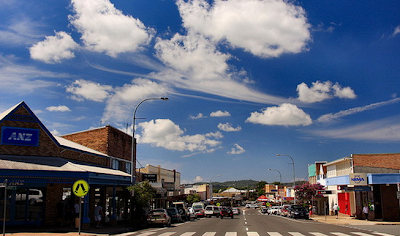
(38, 170)
(371, 180)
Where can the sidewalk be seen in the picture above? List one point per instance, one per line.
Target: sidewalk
(348, 220)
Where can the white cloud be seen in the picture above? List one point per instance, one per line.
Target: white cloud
(384, 130)
(84, 89)
(54, 49)
(198, 179)
(236, 150)
(164, 133)
(286, 114)
(263, 28)
(112, 32)
(60, 108)
(227, 127)
(329, 117)
(220, 114)
(198, 116)
(396, 30)
(196, 64)
(320, 91)
(23, 78)
(120, 105)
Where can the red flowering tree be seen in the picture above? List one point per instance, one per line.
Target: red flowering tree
(305, 193)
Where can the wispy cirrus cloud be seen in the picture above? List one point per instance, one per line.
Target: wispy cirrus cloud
(330, 117)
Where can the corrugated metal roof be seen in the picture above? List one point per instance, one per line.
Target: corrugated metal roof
(52, 164)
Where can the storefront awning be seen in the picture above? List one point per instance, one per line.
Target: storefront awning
(35, 169)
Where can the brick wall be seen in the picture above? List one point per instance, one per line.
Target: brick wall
(389, 161)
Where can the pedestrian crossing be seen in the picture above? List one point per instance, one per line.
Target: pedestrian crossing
(157, 233)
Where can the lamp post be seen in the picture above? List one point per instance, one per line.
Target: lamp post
(133, 151)
(280, 181)
(294, 176)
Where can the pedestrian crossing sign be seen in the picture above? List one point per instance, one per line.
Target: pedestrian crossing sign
(80, 188)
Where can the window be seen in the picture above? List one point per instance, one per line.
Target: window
(128, 167)
(115, 164)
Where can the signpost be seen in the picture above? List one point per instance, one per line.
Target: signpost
(4, 185)
(80, 189)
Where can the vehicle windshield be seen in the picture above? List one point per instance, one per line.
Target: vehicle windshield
(197, 207)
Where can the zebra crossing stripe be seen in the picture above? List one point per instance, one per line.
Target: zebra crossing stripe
(252, 234)
(209, 233)
(296, 234)
(319, 234)
(167, 234)
(361, 234)
(339, 234)
(231, 234)
(274, 234)
(383, 234)
(188, 234)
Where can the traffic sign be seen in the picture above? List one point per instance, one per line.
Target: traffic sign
(80, 188)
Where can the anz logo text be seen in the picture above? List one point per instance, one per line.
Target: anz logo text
(19, 136)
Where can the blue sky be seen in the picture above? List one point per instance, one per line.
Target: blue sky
(246, 79)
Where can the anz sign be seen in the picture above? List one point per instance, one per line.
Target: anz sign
(19, 136)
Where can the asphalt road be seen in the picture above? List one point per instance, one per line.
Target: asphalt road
(253, 223)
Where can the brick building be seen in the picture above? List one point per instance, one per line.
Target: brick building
(39, 170)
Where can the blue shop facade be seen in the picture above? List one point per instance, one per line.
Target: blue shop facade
(38, 170)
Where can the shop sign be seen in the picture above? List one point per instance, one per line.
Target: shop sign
(358, 179)
(149, 177)
(170, 186)
(19, 136)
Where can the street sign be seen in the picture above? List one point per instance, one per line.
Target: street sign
(80, 188)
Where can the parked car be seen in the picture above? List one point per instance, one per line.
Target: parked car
(159, 216)
(182, 209)
(264, 210)
(273, 210)
(298, 211)
(235, 211)
(192, 214)
(284, 210)
(252, 206)
(198, 208)
(174, 214)
(226, 212)
(34, 197)
(212, 210)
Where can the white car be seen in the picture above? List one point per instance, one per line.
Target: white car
(273, 210)
(252, 206)
(192, 214)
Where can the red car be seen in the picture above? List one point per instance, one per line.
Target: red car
(226, 212)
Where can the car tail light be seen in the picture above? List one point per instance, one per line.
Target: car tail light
(165, 216)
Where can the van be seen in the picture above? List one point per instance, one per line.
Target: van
(212, 210)
(182, 209)
(198, 207)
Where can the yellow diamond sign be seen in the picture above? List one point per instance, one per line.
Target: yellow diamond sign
(80, 188)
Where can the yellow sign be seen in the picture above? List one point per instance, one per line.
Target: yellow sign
(218, 204)
(80, 188)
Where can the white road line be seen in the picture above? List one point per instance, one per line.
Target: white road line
(339, 234)
(231, 234)
(383, 234)
(252, 234)
(188, 234)
(274, 234)
(317, 234)
(361, 234)
(209, 233)
(167, 234)
(296, 234)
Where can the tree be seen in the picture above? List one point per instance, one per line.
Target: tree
(306, 192)
(141, 200)
(193, 198)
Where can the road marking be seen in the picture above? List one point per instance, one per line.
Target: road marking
(231, 234)
(209, 233)
(339, 234)
(167, 234)
(188, 234)
(296, 233)
(252, 234)
(383, 234)
(361, 234)
(320, 234)
(274, 234)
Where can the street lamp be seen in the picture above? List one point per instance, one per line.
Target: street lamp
(294, 176)
(133, 151)
(280, 181)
